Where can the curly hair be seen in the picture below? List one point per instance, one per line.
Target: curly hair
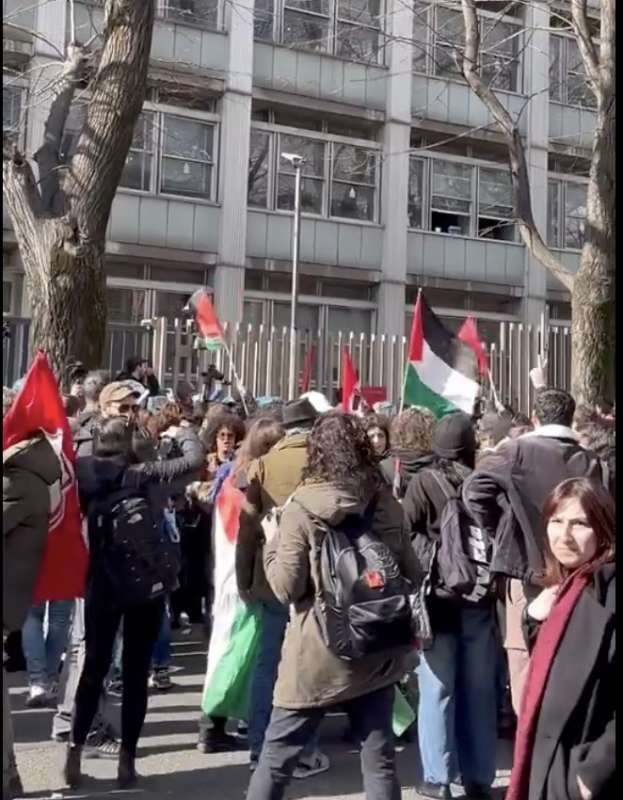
(339, 450)
(377, 421)
(413, 430)
(218, 421)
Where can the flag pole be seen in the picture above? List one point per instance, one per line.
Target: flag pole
(496, 399)
(239, 384)
(405, 365)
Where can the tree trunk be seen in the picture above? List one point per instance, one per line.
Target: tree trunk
(592, 300)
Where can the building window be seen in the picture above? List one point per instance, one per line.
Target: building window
(439, 37)
(567, 77)
(196, 12)
(339, 179)
(566, 214)
(11, 113)
(186, 166)
(350, 29)
(7, 297)
(464, 199)
(126, 305)
(138, 169)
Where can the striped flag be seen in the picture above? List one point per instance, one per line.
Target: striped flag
(212, 336)
(442, 371)
(235, 626)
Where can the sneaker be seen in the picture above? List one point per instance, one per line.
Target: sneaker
(242, 731)
(212, 742)
(434, 791)
(313, 765)
(115, 687)
(160, 680)
(102, 743)
(37, 696)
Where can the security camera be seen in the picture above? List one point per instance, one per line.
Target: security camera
(293, 159)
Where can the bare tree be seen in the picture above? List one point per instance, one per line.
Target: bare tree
(592, 287)
(60, 218)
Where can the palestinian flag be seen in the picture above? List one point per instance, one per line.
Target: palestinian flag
(235, 626)
(212, 336)
(442, 371)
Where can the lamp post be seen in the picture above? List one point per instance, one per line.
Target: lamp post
(297, 162)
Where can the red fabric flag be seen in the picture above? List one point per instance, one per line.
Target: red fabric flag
(416, 341)
(307, 369)
(469, 336)
(38, 407)
(350, 382)
(205, 315)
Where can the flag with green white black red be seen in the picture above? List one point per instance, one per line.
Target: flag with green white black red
(212, 336)
(442, 371)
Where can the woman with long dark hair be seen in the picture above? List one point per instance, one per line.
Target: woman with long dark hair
(565, 742)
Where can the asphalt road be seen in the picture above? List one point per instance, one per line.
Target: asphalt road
(169, 762)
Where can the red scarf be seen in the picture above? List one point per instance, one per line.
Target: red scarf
(548, 639)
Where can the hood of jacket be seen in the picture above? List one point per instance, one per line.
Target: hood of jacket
(332, 502)
(34, 455)
(97, 475)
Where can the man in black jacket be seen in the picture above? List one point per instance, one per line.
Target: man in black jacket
(506, 494)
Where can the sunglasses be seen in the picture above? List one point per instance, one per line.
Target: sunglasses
(127, 408)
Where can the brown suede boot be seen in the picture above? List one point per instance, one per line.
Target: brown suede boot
(72, 772)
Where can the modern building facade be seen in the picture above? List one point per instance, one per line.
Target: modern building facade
(405, 181)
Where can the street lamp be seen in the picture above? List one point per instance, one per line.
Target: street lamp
(297, 162)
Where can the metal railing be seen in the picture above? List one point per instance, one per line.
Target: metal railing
(259, 355)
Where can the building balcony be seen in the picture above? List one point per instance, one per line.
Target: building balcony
(571, 126)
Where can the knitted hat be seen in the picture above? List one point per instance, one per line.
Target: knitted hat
(454, 437)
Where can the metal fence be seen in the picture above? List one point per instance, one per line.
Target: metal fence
(259, 355)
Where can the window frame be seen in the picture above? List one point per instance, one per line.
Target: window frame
(162, 156)
(162, 12)
(564, 71)
(562, 181)
(328, 140)
(430, 13)
(17, 90)
(334, 21)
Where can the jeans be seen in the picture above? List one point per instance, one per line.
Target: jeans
(141, 624)
(457, 725)
(274, 622)
(161, 657)
(290, 730)
(43, 654)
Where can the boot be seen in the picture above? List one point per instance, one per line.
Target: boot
(126, 772)
(72, 772)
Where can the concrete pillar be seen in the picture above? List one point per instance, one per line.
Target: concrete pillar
(536, 59)
(395, 173)
(233, 164)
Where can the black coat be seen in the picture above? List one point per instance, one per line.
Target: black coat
(575, 733)
(410, 464)
(507, 491)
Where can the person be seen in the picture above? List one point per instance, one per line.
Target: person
(492, 429)
(140, 370)
(272, 479)
(114, 466)
(565, 747)
(340, 480)
(377, 428)
(30, 470)
(43, 650)
(411, 439)
(457, 713)
(600, 438)
(506, 495)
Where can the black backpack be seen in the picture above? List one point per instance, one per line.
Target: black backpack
(462, 557)
(364, 606)
(136, 553)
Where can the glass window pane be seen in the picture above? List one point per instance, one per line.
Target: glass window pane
(305, 30)
(252, 313)
(195, 11)
(349, 320)
(553, 213)
(126, 305)
(311, 194)
(501, 37)
(421, 34)
(258, 169)
(575, 215)
(310, 150)
(137, 171)
(186, 177)
(306, 316)
(353, 164)
(313, 6)
(187, 138)
(498, 72)
(366, 12)
(416, 192)
(11, 112)
(579, 92)
(263, 27)
(449, 26)
(445, 62)
(495, 193)
(452, 186)
(555, 83)
(352, 202)
(357, 44)
(171, 304)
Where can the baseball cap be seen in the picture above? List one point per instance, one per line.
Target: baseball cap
(117, 391)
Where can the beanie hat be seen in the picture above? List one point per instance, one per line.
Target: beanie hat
(495, 425)
(454, 437)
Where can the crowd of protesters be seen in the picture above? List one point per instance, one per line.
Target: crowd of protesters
(531, 657)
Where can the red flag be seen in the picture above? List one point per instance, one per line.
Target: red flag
(416, 340)
(205, 317)
(350, 382)
(469, 336)
(307, 369)
(38, 407)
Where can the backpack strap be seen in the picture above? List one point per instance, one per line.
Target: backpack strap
(443, 485)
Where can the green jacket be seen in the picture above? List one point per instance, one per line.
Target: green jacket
(30, 469)
(272, 479)
(310, 675)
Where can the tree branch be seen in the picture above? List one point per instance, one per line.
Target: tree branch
(48, 155)
(579, 21)
(519, 169)
(116, 101)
